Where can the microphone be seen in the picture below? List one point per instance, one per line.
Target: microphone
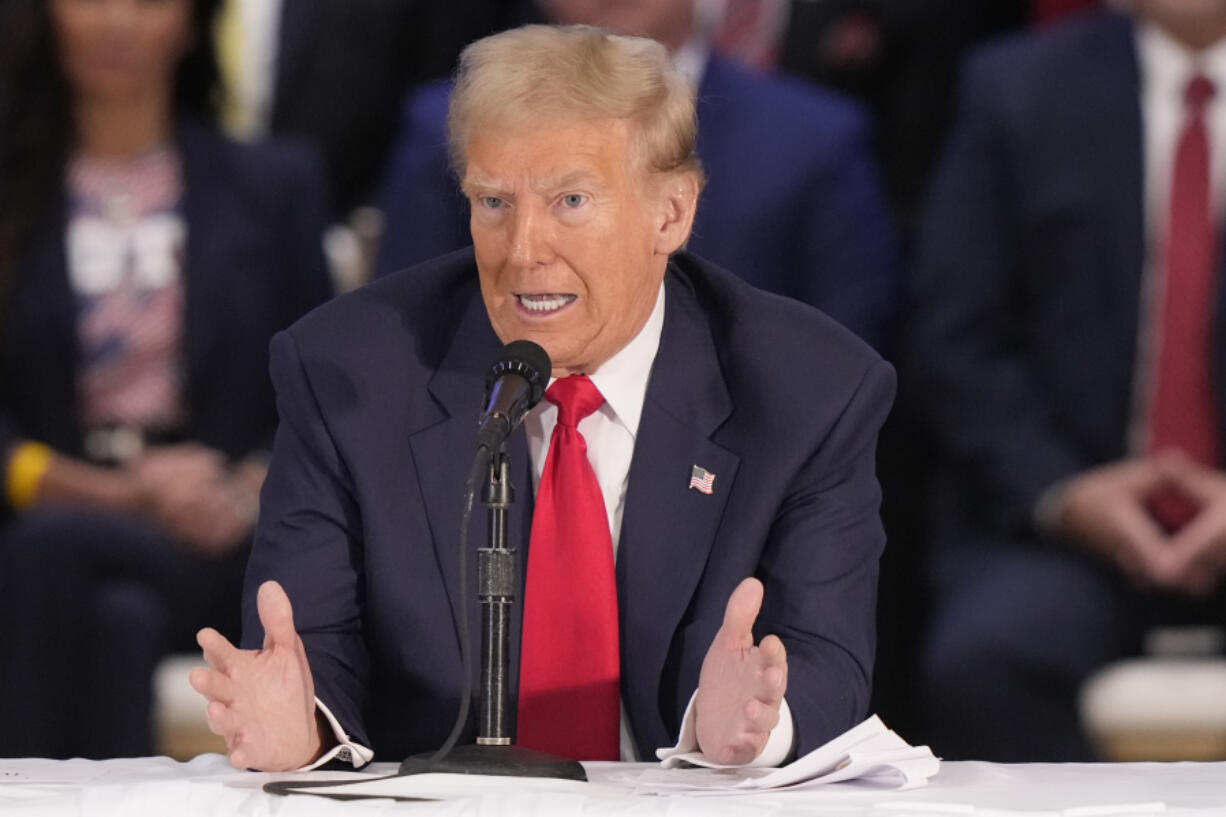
(515, 383)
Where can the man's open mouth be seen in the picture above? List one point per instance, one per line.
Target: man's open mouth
(544, 303)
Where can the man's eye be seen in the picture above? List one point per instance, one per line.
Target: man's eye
(492, 202)
(573, 200)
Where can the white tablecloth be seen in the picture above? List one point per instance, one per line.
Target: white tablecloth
(209, 786)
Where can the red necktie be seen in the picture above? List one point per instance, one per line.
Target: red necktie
(569, 699)
(1182, 415)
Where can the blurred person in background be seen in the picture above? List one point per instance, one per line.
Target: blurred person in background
(145, 261)
(334, 72)
(1069, 346)
(793, 203)
(901, 60)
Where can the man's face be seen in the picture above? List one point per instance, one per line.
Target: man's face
(568, 237)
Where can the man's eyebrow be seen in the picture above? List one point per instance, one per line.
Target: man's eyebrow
(481, 184)
(487, 185)
(566, 180)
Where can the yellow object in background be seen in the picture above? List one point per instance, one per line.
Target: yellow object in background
(228, 36)
(26, 469)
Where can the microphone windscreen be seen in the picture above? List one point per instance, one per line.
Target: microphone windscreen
(527, 359)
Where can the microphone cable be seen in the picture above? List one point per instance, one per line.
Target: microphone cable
(479, 467)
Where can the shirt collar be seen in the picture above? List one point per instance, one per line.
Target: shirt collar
(1168, 64)
(622, 379)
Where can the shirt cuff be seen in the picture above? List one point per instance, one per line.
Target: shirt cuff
(775, 753)
(345, 750)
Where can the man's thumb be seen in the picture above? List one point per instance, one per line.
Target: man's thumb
(742, 611)
(276, 614)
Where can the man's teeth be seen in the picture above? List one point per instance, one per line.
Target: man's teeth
(544, 303)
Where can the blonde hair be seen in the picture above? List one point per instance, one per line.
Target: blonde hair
(576, 73)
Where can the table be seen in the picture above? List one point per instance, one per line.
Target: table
(208, 785)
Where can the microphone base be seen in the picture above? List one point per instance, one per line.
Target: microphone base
(510, 761)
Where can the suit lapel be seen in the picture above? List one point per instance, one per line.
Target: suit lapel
(1119, 160)
(668, 529)
(442, 450)
(1100, 139)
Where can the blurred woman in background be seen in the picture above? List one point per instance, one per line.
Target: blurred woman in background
(145, 262)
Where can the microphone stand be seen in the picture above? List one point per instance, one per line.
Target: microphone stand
(495, 752)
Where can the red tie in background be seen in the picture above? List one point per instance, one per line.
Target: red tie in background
(1183, 414)
(569, 699)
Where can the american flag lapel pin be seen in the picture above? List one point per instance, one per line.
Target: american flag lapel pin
(702, 480)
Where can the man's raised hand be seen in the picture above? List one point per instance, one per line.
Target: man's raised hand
(741, 687)
(262, 701)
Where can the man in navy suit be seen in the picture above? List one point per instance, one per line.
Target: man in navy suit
(583, 193)
(793, 203)
(1048, 260)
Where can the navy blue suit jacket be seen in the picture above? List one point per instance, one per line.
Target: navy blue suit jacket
(794, 203)
(1029, 275)
(253, 264)
(378, 393)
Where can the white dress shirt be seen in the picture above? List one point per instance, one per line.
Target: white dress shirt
(609, 432)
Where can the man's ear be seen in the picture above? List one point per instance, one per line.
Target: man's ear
(678, 197)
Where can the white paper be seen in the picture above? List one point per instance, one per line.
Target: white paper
(869, 753)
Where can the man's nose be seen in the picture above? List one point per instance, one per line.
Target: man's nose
(531, 237)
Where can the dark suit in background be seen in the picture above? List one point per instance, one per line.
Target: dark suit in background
(793, 203)
(901, 60)
(89, 601)
(377, 394)
(1024, 347)
(343, 68)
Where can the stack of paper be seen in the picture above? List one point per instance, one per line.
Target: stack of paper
(869, 753)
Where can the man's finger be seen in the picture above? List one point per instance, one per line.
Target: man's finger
(1199, 482)
(218, 651)
(774, 669)
(1196, 550)
(222, 720)
(212, 684)
(773, 651)
(276, 614)
(239, 757)
(1142, 542)
(740, 751)
(761, 717)
(742, 611)
(774, 684)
